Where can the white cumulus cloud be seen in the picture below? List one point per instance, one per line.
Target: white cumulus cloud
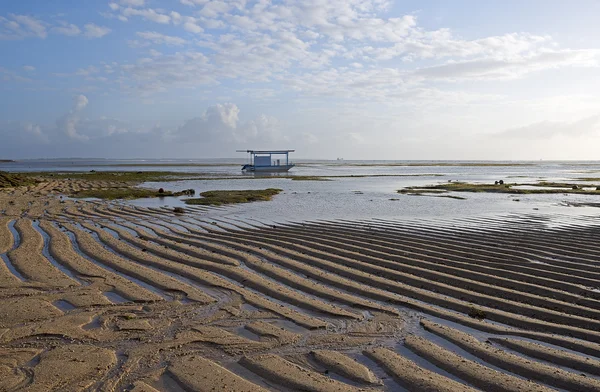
(161, 39)
(148, 14)
(220, 124)
(192, 27)
(22, 26)
(81, 102)
(69, 122)
(133, 3)
(67, 29)
(95, 31)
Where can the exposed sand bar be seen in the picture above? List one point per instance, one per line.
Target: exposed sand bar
(345, 366)
(7, 277)
(71, 368)
(253, 262)
(30, 262)
(89, 246)
(439, 254)
(559, 357)
(489, 287)
(208, 299)
(414, 377)
(269, 332)
(203, 375)
(447, 244)
(251, 280)
(476, 374)
(62, 249)
(527, 245)
(353, 269)
(514, 363)
(293, 376)
(206, 278)
(477, 325)
(6, 238)
(566, 342)
(150, 240)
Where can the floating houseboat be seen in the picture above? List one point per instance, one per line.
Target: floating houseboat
(262, 161)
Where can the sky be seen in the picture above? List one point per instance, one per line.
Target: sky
(370, 79)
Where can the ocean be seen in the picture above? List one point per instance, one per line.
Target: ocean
(362, 189)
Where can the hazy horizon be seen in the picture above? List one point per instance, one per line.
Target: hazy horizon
(361, 80)
(234, 159)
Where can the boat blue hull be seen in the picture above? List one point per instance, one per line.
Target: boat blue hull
(280, 168)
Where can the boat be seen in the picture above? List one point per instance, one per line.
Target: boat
(262, 161)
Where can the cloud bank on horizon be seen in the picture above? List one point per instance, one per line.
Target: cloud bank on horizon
(361, 79)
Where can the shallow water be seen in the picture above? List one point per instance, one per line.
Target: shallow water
(370, 197)
(373, 196)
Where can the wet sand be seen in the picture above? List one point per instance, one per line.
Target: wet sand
(107, 296)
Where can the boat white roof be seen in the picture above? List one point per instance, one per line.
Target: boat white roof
(267, 151)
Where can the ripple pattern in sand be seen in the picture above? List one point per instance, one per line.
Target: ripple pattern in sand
(165, 301)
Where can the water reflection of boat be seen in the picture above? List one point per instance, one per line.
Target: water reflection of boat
(262, 161)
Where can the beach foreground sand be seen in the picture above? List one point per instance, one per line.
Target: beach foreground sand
(107, 296)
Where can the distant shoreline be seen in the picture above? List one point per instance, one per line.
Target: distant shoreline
(237, 160)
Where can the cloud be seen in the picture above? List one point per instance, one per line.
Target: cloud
(22, 26)
(69, 122)
(549, 129)
(31, 24)
(95, 31)
(29, 68)
(182, 69)
(220, 124)
(510, 68)
(161, 39)
(213, 9)
(154, 53)
(87, 71)
(105, 127)
(67, 29)
(362, 63)
(133, 3)
(192, 27)
(356, 138)
(345, 49)
(263, 130)
(417, 43)
(217, 125)
(216, 129)
(36, 131)
(148, 14)
(11, 76)
(81, 102)
(18, 137)
(193, 2)
(310, 138)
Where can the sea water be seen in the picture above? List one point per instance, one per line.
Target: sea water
(359, 189)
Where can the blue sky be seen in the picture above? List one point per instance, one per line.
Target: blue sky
(373, 79)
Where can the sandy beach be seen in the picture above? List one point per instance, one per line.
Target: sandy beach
(110, 296)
